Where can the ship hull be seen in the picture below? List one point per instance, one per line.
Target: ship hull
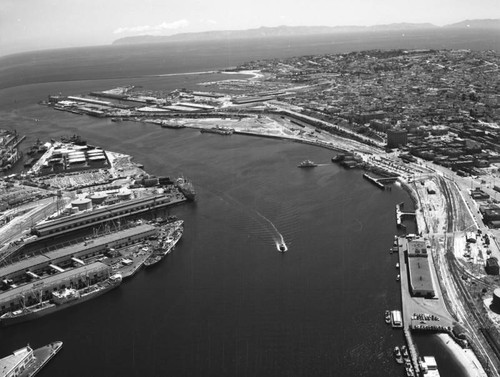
(49, 308)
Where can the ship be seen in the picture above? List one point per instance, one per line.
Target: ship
(167, 244)
(60, 300)
(218, 130)
(186, 188)
(307, 164)
(27, 361)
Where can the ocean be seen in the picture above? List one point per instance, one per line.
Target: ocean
(225, 302)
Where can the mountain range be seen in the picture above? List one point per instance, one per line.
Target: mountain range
(284, 31)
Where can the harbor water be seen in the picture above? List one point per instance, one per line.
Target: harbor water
(226, 302)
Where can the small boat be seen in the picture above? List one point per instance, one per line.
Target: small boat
(398, 278)
(409, 371)
(397, 265)
(387, 316)
(397, 355)
(307, 164)
(404, 352)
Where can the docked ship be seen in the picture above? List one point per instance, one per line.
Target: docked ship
(186, 188)
(307, 164)
(60, 300)
(26, 362)
(168, 244)
(218, 130)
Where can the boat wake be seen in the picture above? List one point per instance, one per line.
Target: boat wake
(277, 236)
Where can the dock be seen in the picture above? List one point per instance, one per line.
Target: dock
(375, 181)
(400, 214)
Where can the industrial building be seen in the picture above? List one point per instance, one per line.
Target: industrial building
(420, 277)
(396, 138)
(99, 215)
(31, 279)
(30, 294)
(68, 257)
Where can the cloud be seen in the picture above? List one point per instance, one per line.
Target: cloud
(164, 26)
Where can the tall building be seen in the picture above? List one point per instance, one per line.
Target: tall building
(396, 137)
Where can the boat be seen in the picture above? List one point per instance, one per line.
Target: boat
(176, 231)
(282, 247)
(397, 265)
(338, 158)
(387, 316)
(409, 371)
(398, 278)
(60, 300)
(404, 352)
(218, 130)
(397, 355)
(307, 164)
(33, 360)
(186, 188)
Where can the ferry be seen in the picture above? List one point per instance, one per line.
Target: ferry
(60, 300)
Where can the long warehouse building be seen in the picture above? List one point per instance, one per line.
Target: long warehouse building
(69, 257)
(112, 212)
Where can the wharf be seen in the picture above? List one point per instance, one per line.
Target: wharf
(400, 214)
(19, 141)
(414, 308)
(374, 181)
(129, 261)
(405, 292)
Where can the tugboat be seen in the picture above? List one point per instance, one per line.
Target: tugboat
(307, 164)
(387, 316)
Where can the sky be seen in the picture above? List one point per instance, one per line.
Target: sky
(27, 25)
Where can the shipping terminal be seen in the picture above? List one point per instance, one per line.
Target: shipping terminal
(57, 263)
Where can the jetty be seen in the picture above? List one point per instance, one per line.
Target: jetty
(400, 214)
(379, 182)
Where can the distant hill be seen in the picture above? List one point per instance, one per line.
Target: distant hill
(268, 32)
(476, 24)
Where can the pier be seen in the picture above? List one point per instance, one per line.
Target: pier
(400, 214)
(419, 313)
(379, 182)
(375, 181)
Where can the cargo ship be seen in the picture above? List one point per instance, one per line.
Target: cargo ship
(28, 362)
(167, 245)
(307, 164)
(61, 299)
(186, 188)
(218, 130)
